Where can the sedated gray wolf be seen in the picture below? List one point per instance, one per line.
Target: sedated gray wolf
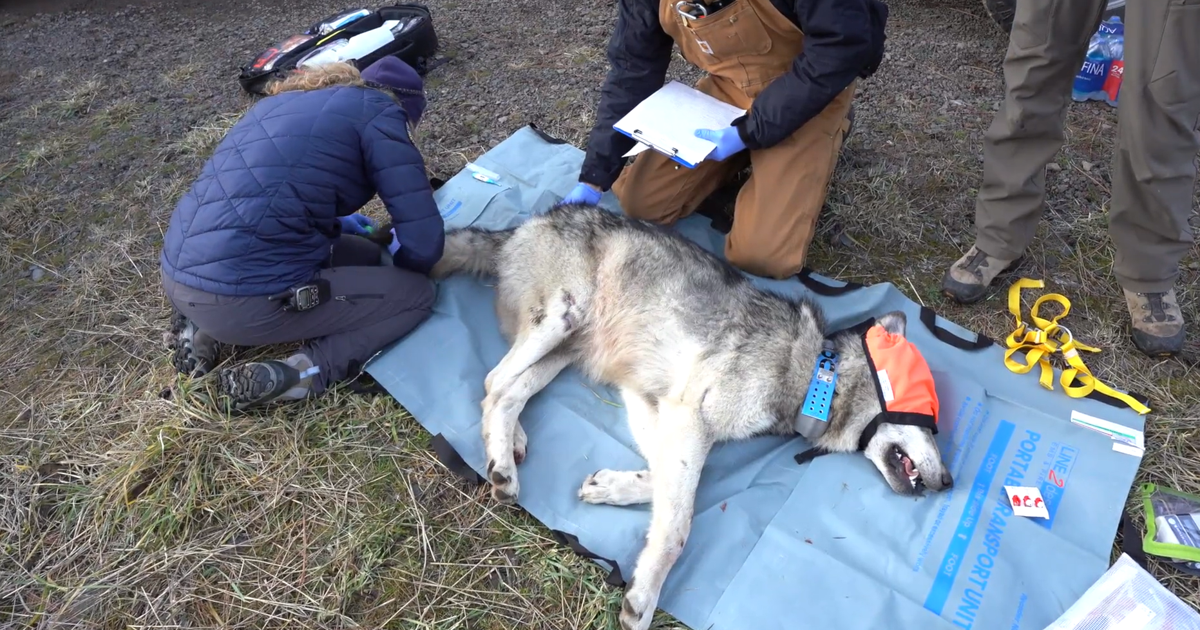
(699, 354)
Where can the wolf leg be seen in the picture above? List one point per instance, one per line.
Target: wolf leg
(641, 413)
(504, 439)
(678, 457)
(548, 329)
(620, 487)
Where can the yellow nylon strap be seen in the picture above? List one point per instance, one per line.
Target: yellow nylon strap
(1042, 338)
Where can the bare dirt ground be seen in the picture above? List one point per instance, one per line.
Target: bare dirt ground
(126, 502)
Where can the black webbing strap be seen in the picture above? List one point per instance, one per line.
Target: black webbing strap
(614, 576)
(545, 136)
(453, 461)
(820, 288)
(929, 318)
(1111, 401)
(1131, 540)
(922, 420)
(810, 454)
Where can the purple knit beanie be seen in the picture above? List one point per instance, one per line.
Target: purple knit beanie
(399, 77)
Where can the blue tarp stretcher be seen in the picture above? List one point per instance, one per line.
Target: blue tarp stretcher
(775, 542)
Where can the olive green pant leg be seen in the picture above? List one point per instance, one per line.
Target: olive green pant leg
(1046, 48)
(1153, 166)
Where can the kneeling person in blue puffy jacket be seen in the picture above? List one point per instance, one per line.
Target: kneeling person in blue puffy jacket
(271, 226)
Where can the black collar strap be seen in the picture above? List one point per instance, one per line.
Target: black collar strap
(891, 417)
(912, 419)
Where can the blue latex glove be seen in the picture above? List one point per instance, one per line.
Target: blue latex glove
(357, 224)
(394, 246)
(582, 193)
(727, 140)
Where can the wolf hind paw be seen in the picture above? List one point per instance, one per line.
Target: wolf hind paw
(503, 478)
(636, 610)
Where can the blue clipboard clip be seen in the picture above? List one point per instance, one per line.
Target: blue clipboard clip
(671, 152)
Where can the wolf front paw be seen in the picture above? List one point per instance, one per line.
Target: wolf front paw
(616, 487)
(637, 610)
(504, 481)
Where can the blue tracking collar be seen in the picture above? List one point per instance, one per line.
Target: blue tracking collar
(813, 418)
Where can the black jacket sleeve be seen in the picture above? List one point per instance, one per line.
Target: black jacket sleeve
(843, 39)
(639, 52)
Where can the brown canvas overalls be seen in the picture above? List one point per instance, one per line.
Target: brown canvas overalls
(744, 47)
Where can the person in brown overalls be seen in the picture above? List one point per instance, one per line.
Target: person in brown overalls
(1153, 163)
(792, 64)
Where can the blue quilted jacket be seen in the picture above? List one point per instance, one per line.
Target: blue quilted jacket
(263, 214)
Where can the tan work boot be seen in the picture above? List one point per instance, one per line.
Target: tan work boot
(1157, 322)
(968, 279)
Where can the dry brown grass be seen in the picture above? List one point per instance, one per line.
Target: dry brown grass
(128, 501)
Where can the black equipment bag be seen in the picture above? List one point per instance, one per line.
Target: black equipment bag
(414, 41)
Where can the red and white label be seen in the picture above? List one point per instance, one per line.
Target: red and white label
(1026, 501)
(1112, 83)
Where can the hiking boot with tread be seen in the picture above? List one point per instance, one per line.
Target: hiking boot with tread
(258, 383)
(968, 279)
(1157, 322)
(194, 351)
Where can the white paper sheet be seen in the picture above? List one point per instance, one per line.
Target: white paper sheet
(668, 119)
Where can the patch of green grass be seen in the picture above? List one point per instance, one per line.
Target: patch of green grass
(80, 99)
(43, 154)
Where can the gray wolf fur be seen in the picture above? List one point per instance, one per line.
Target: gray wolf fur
(699, 354)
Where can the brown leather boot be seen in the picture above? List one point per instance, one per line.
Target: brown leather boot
(1157, 322)
(968, 279)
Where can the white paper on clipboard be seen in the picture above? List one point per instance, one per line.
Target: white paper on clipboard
(667, 122)
(637, 148)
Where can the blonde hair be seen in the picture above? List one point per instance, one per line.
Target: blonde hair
(320, 77)
(329, 75)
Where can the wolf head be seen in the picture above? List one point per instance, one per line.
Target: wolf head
(907, 455)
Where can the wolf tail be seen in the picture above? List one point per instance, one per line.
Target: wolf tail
(471, 250)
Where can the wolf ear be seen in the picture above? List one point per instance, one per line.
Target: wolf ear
(894, 322)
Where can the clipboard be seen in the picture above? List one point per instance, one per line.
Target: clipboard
(658, 124)
(662, 147)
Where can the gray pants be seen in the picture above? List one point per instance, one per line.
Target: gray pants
(373, 306)
(1158, 136)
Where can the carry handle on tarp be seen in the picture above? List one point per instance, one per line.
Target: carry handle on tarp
(810, 282)
(928, 316)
